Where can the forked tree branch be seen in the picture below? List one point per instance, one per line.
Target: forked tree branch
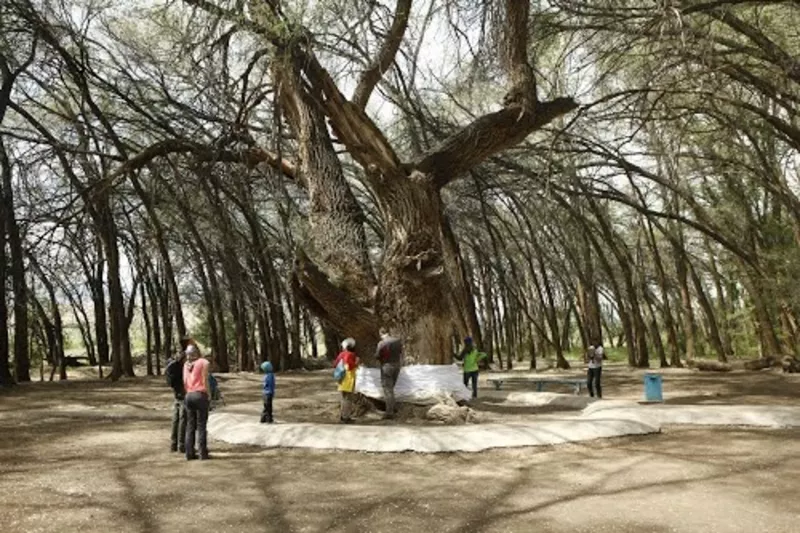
(485, 137)
(492, 133)
(385, 58)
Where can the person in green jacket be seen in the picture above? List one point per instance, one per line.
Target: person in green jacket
(471, 357)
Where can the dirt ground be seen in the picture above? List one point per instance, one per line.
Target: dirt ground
(85, 456)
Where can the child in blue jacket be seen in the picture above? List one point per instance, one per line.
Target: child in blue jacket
(268, 392)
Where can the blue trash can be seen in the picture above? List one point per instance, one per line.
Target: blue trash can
(652, 388)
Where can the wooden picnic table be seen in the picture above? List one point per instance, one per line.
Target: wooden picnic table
(540, 382)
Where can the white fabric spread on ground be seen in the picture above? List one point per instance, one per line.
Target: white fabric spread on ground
(242, 429)
(549, 399)
(771, 416)
(417, 383)
(603, 419)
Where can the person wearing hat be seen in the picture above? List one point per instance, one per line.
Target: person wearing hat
(347, 385)
(268, 392)
(471, 357)
(174, 375)
(195, 381)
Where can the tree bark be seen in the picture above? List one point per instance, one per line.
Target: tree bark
(99, 301)
(6, 379)
(21, 350)
(419, 287)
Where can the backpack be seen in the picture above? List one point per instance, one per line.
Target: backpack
(214, 393)
(339, 372)
(174, 376)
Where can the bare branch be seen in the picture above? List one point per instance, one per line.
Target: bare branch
(373, 74)
(485, 137)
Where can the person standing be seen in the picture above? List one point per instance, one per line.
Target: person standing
(595, 370)
(195, 381)
(347, 385)
(472, 358)
(389, 353)
(174, 375)
(268, 392)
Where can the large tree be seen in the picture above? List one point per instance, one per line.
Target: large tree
(417, 290)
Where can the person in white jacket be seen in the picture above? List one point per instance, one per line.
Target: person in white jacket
(595, 360)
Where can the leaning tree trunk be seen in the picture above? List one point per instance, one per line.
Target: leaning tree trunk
(711, 319)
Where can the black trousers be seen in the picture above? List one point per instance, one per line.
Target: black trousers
(593, 378)
(178, 436)
(473, 376)
(389, 374)
(196, 420)
(266, 413)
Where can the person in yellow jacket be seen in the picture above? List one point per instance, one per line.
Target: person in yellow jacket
(471, 357)
(347, 385)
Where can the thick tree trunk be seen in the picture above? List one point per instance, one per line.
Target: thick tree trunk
(419, 293)
(6, 379)
(121, 360)
(21, 355)
(332, 340)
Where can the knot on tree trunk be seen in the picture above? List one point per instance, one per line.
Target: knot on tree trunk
(522, 96)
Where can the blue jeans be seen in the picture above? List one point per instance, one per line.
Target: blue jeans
(474, 377)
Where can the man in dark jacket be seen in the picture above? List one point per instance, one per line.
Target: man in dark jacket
(174, 374)
(390, 356)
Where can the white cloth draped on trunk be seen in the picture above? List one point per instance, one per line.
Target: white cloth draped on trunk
(417, 383)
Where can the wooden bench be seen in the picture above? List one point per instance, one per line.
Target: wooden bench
(577, 384)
